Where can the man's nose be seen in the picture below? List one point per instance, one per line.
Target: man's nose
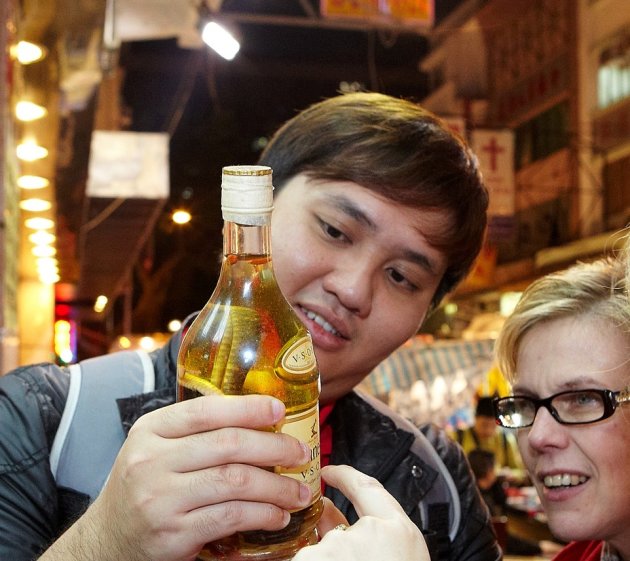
(352, 284)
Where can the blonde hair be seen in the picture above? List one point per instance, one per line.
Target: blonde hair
(598, 288)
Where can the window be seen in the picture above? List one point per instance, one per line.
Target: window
(613, 74)
(541, 136)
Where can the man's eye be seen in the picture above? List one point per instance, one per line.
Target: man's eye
(332, 232)
(400, 279)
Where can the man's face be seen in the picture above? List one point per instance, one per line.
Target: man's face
(358, 270)
(485, 427)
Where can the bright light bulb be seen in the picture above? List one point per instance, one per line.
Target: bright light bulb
(124, 342)
(47, 264)
(32, 182)
(35, 205)
(26, 52)
(30, 151)
(181, 217)
(39, 223)
(147, 343)
(221, 40)
(41, 237)
(101, 302)
(174, 325)
(49, 278)
(43, 251)
(28, 111)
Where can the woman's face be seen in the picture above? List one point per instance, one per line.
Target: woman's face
(581, 472)
(358, 269)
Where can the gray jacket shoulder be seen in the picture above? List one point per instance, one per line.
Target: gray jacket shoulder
(32, 399)
(36, 393)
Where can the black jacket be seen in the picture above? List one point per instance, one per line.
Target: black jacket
(34, 511)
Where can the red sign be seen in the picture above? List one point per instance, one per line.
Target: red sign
(416, 12)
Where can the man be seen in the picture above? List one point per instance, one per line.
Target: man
(379, 212)
(484, 434)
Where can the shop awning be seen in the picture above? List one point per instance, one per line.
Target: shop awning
(419, 360)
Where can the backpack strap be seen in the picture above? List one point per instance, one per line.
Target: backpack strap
(90, 433)
(442, 500)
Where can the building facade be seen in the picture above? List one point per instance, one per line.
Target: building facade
(553, 76)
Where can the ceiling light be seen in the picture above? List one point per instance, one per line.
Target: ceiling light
(30, 151)
(49, 278)
(32, 182)
(221, 40)
(43, 251)
(39, 223)
(35, 205)
(29, 111)
(41, 237)
(100, 303)
(47, 264)
(181, 217)
(124, 342)
(26, 52)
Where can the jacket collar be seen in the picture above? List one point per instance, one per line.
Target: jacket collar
(370, 441)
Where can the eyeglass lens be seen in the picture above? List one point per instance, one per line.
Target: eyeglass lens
(582, 406)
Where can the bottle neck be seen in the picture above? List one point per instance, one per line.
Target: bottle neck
(241, 239)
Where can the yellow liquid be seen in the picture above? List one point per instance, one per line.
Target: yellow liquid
(250, 342)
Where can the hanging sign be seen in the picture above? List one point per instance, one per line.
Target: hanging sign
(495, 151)
(412, 12)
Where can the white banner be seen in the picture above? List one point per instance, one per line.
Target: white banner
(495, 150)
(128, 165)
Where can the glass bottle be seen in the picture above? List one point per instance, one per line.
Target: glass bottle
(248, 340)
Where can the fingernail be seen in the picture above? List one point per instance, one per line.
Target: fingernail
(305, 493)
(277, 407)
(306, 451)
(287, 518)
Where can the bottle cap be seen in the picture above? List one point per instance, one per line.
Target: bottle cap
(247, 194)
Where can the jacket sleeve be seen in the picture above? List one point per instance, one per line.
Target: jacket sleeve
(31, 403)
(475, 539)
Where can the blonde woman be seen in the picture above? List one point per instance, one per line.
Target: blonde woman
(566, 349)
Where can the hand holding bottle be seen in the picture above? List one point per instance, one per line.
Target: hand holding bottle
(186, 476)
(383, 531)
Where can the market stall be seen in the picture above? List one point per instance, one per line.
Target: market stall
(434, 381)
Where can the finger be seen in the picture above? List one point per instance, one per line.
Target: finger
(218, 521)
(236, 445)
(210, 412)
(243, 483)
(331, 517)
(367, 495)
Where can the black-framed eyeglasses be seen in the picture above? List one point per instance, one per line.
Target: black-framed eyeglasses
(574, 407)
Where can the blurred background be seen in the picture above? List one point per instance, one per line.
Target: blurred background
(125, 115)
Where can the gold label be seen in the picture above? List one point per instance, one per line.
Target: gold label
(305, 427)
(299, 357)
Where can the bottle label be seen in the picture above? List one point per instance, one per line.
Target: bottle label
(305, 427)
(299, 357)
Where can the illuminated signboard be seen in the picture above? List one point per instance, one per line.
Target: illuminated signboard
(408, 12)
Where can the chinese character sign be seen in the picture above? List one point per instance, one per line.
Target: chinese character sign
(495, 150)
(415, 12)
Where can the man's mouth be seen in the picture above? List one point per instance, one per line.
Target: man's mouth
(319, 320)
(563, 480)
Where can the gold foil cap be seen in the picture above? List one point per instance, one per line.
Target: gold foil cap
(247, 194)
